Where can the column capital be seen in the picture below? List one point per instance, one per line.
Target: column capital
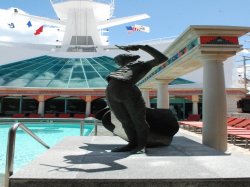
(88, 98)
(195, 98)
(41, 98)
(163, 81)
(214, 58)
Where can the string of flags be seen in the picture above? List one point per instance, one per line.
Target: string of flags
(135, 28)
(29, 24)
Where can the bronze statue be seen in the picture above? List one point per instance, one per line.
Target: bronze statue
(125, 99)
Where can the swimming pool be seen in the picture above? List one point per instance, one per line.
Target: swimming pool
(26, 148)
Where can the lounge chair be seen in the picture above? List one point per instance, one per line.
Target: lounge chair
(48, 115)
(193, 117)
(91, 115)
(194, 125)
(230, 119)
(246, 137)
(235, 122)
(64, 115)
(18, 115)
(243, 124)
(35, 116)
(79, 116)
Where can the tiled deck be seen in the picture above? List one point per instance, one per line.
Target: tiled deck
(87, 161)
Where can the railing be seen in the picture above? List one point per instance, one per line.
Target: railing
(11, 148)
(12, 138)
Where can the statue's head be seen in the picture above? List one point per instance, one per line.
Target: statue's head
(124, 59)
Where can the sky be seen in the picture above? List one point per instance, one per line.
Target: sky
(168, 17)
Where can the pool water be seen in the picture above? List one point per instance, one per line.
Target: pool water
(27, 149)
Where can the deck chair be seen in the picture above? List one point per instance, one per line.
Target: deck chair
(79, 116)
(64, 115)
(235, 122)
(18, 115)
(35, 116)
(48, 115)
(194, 117)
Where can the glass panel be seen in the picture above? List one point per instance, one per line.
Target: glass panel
(92, 75)
(38, 83)
(88, 68)
(4, 80)
(30, 68)
(5, 71)
(99, 68)
(77, 76)
(30, 75)
(104, 74)
(56, 67)
(16, 74)
(18, 82)
(47, 75)
(109, 67)
(91, 61)
(64, 74)
(97, 82)
(44, 68)
(78, 84)
(59, 83)
(77, 68)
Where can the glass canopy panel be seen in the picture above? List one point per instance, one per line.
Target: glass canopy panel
(78, 84)
(47, 75)
(64, 74)
(77, 76)
(19, 82)
(59, 84)
(29, 75)
(39, 83)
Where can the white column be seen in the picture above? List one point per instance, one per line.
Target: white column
(20, 110)
(41, 106)
(162, 94)
(214, 105)
(0, 106)
(145, 95)
(195, 100)
(88, 105)
(88, 108)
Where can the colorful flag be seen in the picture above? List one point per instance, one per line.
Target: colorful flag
(39, 30)
(141, 28)
(129, 29)
(29, 24)
(11, 25)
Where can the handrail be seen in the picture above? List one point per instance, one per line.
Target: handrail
(11, 148)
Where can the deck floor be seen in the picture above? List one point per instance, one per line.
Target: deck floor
(88, 160)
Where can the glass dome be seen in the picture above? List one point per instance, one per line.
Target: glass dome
(55, 72)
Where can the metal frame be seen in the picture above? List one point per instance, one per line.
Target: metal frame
(11, 148)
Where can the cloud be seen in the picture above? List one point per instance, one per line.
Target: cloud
(21, 33)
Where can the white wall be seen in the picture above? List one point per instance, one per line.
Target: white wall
(12, 54)
(197, 75)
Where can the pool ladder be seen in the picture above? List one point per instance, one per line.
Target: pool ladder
(11, 148)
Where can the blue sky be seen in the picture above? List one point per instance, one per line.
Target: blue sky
(168, 17)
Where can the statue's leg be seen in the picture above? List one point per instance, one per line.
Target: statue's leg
(122, 115)
(135, 106)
